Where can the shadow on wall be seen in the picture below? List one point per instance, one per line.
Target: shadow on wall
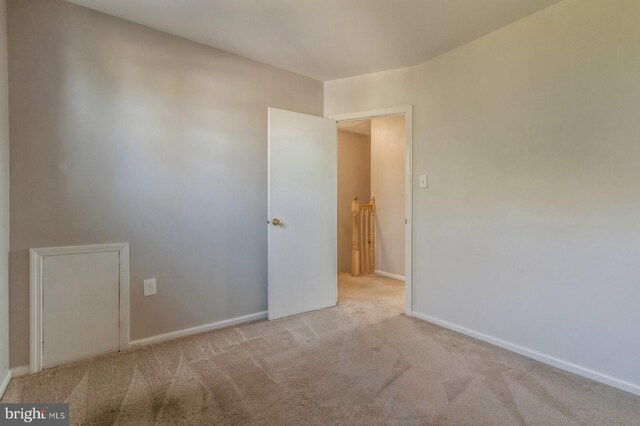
(354, 179)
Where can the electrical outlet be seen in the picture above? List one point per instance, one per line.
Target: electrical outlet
(150, 287)
(423, 181)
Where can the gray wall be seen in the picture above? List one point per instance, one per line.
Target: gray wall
(4, 198)
(388, 186)
(354, 179)
(529, 231)
(121, 133)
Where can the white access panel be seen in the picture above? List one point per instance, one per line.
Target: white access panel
(80, 306)
(302, 196)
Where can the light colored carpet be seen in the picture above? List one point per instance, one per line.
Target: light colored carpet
(360, 363)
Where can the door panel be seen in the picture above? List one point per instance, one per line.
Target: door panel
(302, 195)
(81, 307)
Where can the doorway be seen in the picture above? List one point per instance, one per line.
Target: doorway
(302, 209)
(374, 201)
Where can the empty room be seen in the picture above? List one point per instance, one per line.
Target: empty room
(327, 212)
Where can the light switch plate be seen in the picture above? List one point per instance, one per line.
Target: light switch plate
(423, 181)
(150, 287)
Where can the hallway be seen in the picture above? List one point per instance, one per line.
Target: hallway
(363, 362)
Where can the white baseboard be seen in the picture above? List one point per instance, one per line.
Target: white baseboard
(538, 356)
(198, 329)
(23, 370)
(390, 275)
(5, 383)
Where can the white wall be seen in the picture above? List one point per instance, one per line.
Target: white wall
(4, 199)
(387, 185)
(354, 179)
(121, 133)
(529, 231)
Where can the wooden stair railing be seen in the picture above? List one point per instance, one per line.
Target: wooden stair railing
(363, 245)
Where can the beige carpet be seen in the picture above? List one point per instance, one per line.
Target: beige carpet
(360, 363)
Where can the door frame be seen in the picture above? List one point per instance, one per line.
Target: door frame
(37, 257)
(407, 112)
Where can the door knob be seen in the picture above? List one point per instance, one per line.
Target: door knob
(276, 222)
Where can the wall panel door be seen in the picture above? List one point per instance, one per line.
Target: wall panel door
(81, 306)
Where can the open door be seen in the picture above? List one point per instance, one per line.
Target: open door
(302, 213)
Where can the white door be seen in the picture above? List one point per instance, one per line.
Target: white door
(302, 213)
(81, 307)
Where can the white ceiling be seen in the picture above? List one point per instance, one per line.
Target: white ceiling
(326, 39)
(361, 127)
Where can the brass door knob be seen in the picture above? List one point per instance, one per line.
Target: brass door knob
(276, 222)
